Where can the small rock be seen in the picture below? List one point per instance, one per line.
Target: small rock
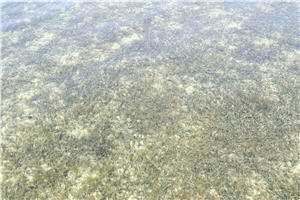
(190, 90)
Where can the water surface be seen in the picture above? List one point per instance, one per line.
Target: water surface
(150, 101)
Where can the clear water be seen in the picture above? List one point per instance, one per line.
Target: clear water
(150, 100)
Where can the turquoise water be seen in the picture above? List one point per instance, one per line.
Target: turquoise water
(150, 100)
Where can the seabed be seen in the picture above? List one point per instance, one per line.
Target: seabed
(150, 101)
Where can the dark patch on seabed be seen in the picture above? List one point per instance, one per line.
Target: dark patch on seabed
(162, 100)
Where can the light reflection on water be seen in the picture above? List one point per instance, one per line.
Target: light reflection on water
(22, 14)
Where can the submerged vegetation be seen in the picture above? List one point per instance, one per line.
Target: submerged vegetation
(155, 107)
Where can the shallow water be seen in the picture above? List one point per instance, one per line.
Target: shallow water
(150, 101)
